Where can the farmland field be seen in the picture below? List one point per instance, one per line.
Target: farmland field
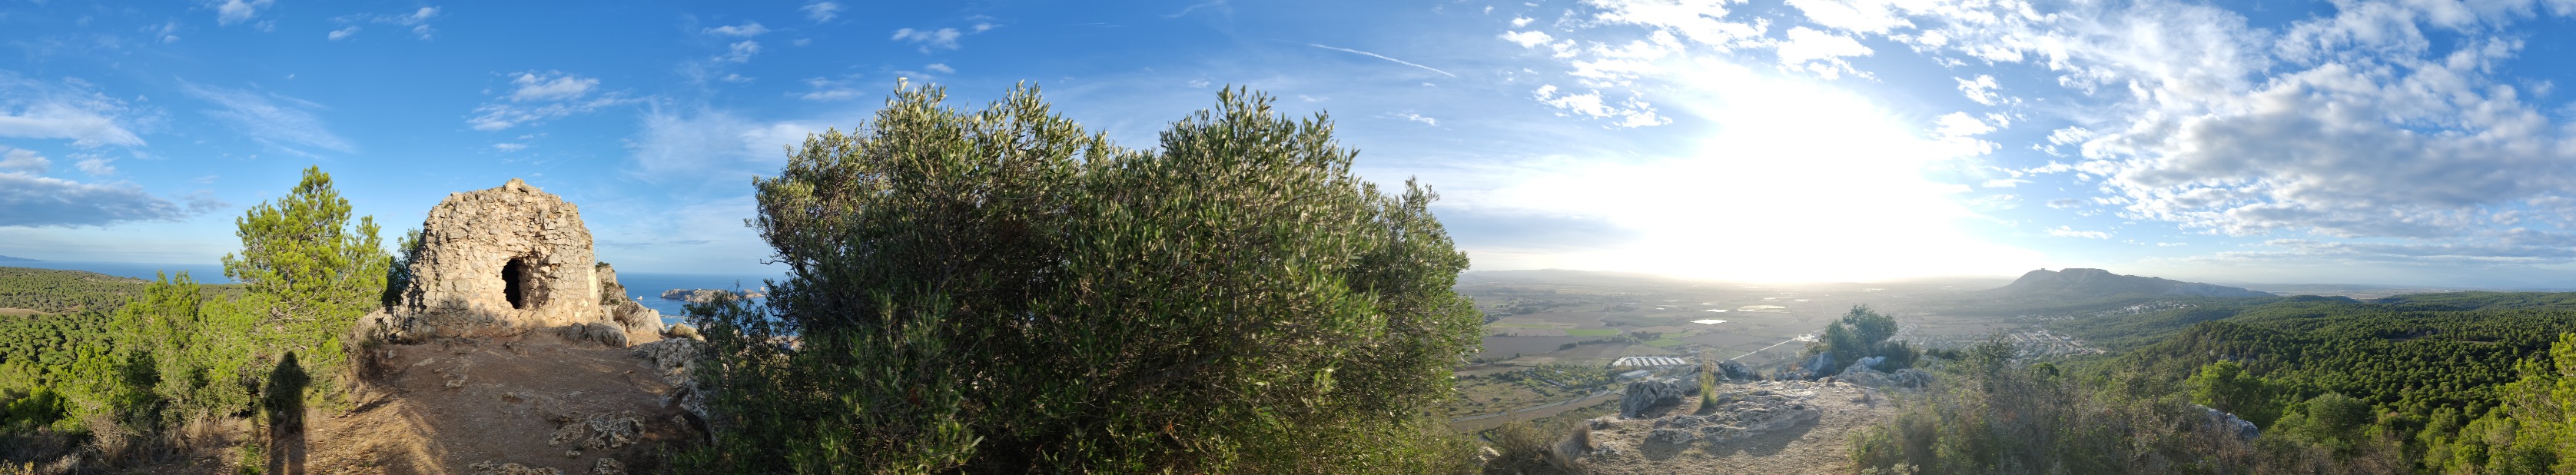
(1503, 347)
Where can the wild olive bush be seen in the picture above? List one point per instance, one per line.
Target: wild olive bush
(1003, 291)
(1863, 333)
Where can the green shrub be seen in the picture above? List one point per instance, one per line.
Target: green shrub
(1002, 291)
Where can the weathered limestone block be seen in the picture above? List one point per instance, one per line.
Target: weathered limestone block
(506, 260)
(1643, 395)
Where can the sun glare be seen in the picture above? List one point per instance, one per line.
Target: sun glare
(1791, 181)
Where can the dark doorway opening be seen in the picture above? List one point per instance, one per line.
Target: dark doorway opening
(514, 282)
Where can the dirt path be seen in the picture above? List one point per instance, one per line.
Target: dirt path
(536, 401)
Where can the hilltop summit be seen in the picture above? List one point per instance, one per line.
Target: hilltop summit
(2102, 283)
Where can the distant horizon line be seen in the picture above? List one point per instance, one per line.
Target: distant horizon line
(2225, 282)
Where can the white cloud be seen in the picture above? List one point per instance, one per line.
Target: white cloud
(1518, 22)
(1527, 39)
(228, 12)
(825, 89)
(34, 201)
(509, 147)
(1820, 52)
(1630, 113)
(550, 86)
(940, 68)
(1419, 118)
(735, 78)
(71, 110)
(1701, 22)
(2064, 231)
(538, 96)
(745, 30)
(1959, 124)
(23, 161)
(741, 51)
(2066, 203)
(1857, 16)
(168, 32)
(1981, 90)
(2172, 244)
(417, 20)
(96, 166)
(709, 145)
(821, 11)
(2002, 183)
(943, 38)
(271, 119)
(2354, 124)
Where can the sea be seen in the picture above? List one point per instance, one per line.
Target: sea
(647, 287)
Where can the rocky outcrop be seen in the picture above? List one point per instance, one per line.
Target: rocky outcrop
(506, 260)
(708, 295)
(676, 362)
(1911, 378)
(1819, 366)
(1903, 378)
(1734, 371)
(1762, 427)
(2242, 429)
(1746, 411)
(639, 323)
(1648, 394)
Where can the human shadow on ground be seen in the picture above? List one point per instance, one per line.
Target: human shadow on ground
(284, 400)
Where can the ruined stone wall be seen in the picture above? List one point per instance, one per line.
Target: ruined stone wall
(511, 257)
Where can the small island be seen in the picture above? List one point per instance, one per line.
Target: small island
(708, 295)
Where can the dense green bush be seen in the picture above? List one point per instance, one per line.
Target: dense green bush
(1002, 291)
(1863, 333)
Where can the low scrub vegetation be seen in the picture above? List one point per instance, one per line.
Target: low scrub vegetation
(165, 372)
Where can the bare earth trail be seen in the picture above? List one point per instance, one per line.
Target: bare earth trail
(535, 400)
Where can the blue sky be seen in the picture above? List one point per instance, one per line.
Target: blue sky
(2420, 142)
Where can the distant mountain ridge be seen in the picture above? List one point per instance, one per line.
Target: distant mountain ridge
(17, 259)
(2103, 283)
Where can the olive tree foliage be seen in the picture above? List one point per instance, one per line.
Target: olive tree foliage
(1862, 333)
(309, 273)
(1003, 291)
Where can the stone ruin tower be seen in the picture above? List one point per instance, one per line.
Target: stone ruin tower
(506, 260)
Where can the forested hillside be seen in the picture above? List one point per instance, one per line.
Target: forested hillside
(71, 291)
(2436, 383)
(135, 373)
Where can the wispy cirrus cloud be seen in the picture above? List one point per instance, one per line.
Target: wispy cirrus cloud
(821, 11)
(70, 109)
(1384, 57)
(415, 21)
(271, 119)
(538, 96)
(943, 38)
(228, 12)
(27, 200)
